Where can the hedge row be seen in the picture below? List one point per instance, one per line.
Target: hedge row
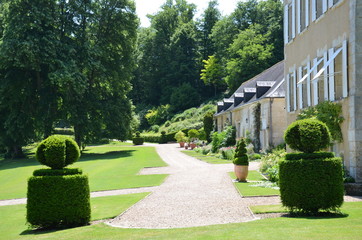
(58, 201)
(310, 186)
(138, 140)
(57, 172)
(156, 138)
(63, 131)
(309, 156)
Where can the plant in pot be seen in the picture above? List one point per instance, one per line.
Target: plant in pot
(309, 180)
(241, 161)
(58, 196)
(193, 135)
(180, 137)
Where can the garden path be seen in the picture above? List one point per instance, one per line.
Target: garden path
(195, 194)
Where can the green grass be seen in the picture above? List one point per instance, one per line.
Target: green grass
(246, 189)
(12, 222)
(206, 158)
(12, 226)
(268, 209)
(111, 166)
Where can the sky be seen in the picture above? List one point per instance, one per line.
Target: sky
(145, 7)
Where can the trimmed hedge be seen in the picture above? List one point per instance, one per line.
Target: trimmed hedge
(310, 186)
(64, 131)
(240, 156)
(309, 156)
(58, 201)
(138, 140)
(308, 135)
(57, 172)
(57, 152)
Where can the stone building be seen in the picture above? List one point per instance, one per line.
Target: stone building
(266, 89)
(323, 49)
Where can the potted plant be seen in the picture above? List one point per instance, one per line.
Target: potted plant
(241, 161)
(180, 137)
(193, 135)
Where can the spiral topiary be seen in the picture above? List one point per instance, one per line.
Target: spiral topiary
(240, 156)
(57, 152)
(308, 135)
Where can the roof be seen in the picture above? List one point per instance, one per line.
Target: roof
(269, 83)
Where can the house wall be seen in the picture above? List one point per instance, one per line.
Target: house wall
(340, 23)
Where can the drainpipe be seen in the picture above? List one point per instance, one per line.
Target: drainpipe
(271, 100)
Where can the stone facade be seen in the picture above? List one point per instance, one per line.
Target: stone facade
(323, 55)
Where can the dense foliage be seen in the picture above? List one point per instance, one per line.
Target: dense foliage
(208, 125)
(307, 135)
(138, 140)
(328, 112)
(70, 60)
(270, 164)
(311, 185)
(241, 156)
(58, 200)
(57, 152)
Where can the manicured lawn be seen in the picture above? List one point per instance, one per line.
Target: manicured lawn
(12, 221)
(247, 189)
(112, 166)
(311, 228)
(206, 158)
(268, 209)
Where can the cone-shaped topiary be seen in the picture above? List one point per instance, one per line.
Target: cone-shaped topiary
(57, 152)
(240, 156)
(308, 135)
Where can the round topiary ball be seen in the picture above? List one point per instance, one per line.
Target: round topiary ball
(57, 152)
(308, 135)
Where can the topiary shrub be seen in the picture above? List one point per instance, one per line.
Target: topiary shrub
(311, 185)
(138, 140)
(163, 138)
(310, 181)
(240, 156)
(193, 134)
(58, 200)
(57, 152)
(58, 196)
(180, 136)
(307, 135)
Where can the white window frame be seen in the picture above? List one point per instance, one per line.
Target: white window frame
(286, 26)
(345, 68)
(298, 17)
(330, 3)
(293, 19)
(308, 86)
(306, 13)
(295, 89)
(314, 10)
(315, 83)
(288, 93)
(325, 6)
(325, 76)
(331, 75)
(300, 88)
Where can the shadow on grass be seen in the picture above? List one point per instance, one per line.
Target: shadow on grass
(108, 155)
(40, 231)
(315, 216)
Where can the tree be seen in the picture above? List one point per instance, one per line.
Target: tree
(250, 55)
(208, 125)
(212, 74)
(210, 17)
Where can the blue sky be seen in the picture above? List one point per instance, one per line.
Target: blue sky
(145, 7)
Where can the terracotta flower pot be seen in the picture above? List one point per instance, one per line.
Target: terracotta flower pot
(186, 146)
(192, 145)
(182, 144)
(241, 172)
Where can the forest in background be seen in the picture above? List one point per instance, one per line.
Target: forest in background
(183, 62)
(88, 65)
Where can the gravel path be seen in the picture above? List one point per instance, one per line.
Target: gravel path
(195, 194)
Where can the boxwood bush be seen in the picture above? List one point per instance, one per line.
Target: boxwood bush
(58, 200)
(240, 156)
(311, 185)
(138, 140)
(307, 135)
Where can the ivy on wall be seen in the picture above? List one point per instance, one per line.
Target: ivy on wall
(328, 112)
(257, 126)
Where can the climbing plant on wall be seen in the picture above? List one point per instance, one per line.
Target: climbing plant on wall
(257, 127)
(328, 112)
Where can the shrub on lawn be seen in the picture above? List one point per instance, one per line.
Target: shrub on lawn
(58, 196)
(309, 181)
(57, 152)
(227, 153)
(138, 140)
(270, 164)
(307, 135)
(61, 200)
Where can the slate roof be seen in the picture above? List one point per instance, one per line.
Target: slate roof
(268, 84)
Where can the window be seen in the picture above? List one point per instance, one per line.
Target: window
(305, 88)
(337, 77)
(289, 22)
(292, 92)
(303, 8)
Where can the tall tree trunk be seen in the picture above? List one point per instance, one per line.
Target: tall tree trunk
(78, 136)
(14, 151)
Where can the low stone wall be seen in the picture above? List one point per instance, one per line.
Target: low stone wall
(353, 189)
